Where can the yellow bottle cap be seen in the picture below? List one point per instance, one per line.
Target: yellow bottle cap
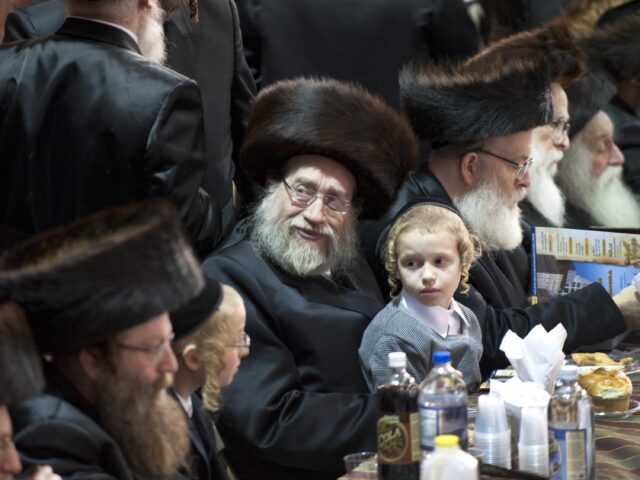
(446, 440)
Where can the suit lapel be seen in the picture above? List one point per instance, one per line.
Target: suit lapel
(100, 32)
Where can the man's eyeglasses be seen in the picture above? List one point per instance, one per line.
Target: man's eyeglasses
(243, 342)
(560, 127)
(522, 168)
(303, 196)
(156, 352)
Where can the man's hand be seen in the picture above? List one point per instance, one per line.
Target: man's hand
(628, 301)
(45, 473)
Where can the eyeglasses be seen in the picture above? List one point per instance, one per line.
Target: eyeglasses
(156, 352)
(560, 128)
(522, 168)
(244, 341)
(304, 196)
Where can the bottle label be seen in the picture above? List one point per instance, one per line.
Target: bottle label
(436, 421)
(573, 448)
(398, 442)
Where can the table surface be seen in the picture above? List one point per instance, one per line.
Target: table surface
(617, 446)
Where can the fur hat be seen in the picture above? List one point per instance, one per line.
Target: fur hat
(552, 43)
(587, 97)
(616, 13)
(189, 317)
(20, 367)
(616, 47)
(82, 283)
(475, 100)
(337, 120)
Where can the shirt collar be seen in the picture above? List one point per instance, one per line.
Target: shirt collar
(441, 320)
(186, 403)
(115, 25)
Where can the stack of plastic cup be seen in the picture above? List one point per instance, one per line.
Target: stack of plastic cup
(492, 435)
(533, 445)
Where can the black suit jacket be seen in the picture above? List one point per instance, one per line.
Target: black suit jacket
(86, 123)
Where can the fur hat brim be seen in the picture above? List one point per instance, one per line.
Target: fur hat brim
(82, 283)
(587, 97)
(475, 100)
(337, 120)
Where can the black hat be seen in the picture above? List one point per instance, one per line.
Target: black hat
(616, 13)
(476, 100)
(337, 120)
(190, 316)
(20, 365)
(587, 97)
(82, 283)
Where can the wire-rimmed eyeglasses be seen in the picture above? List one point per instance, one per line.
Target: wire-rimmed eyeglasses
(522, 168)
(243, 342)
(304, 196)
(156, 351)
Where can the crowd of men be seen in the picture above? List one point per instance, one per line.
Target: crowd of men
(119, 223)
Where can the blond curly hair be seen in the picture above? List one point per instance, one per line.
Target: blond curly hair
(430, 219)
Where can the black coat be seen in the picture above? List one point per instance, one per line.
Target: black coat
(86, 123)
(299, 402)
(366, 41)
(533, 217)
(498, 297)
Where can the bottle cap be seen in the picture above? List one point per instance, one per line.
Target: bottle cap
(569, 372)
(441, 357)
(397, 359)
(446, 440)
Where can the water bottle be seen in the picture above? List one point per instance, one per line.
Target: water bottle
(398, 423)
(448, 462)
(442, 403)
(571, 426)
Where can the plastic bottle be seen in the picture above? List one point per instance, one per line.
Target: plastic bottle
(398, 425)
(443, 403)
(448, 462)
(571, 425)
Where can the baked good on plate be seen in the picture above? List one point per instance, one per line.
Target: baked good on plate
(592, 359)
(610, 390)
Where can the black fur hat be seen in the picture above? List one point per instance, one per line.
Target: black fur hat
(337, 120)
(81, 283)
(20, 365)
(475, 100)
(587, 97)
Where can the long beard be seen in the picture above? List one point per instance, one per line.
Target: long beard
(274, 238)
(543, 193)
(152, 37)
(149, 427)
(490, 217)
(607, 199)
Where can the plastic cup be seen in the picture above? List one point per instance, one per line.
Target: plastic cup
(354, 460)
(491, 416)
(534, 459)
(496, 447)
(533, 446)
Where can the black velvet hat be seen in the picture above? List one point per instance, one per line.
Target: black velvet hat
(190, 316)
(587, 97)
(476, 99)
(337, 120)
(20, 364)
(82, 283)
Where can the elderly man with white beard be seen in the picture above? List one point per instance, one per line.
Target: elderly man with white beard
(590, 175)
(90, 119)
(479, 117)
(327, 153)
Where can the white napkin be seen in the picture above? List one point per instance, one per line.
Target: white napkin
(538, 357)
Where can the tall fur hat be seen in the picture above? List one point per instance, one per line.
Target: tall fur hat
(82, 283)
(475, 100)
(553, 44)
(20, 367)
(616, 47)
(587, 97)
(337, 120)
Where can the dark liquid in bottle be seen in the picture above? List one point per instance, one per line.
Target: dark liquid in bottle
(398, 432)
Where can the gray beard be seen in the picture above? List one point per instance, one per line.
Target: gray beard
(152, 38)
(544, 194)
(607, 199)
(274, 239)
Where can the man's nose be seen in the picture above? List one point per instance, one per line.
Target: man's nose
(525, 181)
(168, 362)
(10, 461)
(617, 157)
(562, 142)
(314, 213)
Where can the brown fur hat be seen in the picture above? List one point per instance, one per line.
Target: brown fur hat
(20, 367)
(553, 43)
(587, 97)
(337, 120)
(475, 100)
(82, 283)
(616, 47)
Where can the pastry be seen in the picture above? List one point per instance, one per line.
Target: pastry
(592, 359)
(610, 389)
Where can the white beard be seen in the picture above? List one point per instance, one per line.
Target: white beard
(607, 198)
(486, 212)
(543, 193)
(151, 38)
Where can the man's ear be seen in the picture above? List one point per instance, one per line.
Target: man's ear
(91, 362)
(190, 357)
(470, 166)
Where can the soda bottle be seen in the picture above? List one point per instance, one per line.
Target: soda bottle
(571, 426)
(442, 403)
(397, 429)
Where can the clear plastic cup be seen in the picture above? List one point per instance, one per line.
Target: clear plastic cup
(355, 460)
(496, 447)
(491, 416)
(534, 459)
(533, 445)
